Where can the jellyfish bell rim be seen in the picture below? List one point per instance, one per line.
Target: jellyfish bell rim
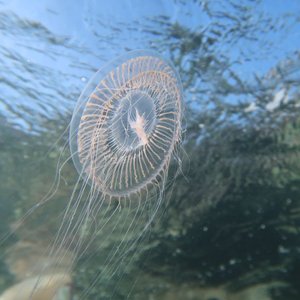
(85, 97)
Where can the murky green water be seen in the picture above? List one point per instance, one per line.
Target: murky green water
(228, 225)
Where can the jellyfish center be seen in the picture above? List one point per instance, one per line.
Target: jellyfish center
(138, 126)
(134, 120)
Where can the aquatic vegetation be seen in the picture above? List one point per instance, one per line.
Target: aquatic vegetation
(230, 229)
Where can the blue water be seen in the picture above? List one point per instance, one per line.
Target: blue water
(50, 48)
(239, 62)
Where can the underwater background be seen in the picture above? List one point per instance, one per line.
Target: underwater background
(229, 227)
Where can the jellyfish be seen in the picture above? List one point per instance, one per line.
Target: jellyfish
(125, 130)
(127, 124)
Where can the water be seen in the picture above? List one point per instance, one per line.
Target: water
(229, 229)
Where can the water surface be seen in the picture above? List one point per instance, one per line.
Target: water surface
(230, 228)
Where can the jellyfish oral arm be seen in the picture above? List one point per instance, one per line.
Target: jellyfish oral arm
(138, 126)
